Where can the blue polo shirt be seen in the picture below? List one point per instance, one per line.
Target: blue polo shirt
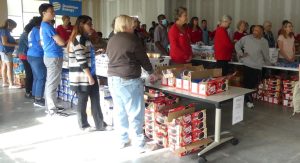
(35, 48)
(51, 49)
(10, 39)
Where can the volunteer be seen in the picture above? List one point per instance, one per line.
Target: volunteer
(223, 45)
(161, 36)
(242, 31)
(7, 46)
(194, 31)
(65, 30)
(35, 56)
(82, 74)
(206, 34)
(286, 44)
(268, 34)
(253, 51)
(180, 43)
(126, 57)
(52, 45)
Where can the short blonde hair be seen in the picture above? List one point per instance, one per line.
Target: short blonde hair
(122, 23)
(226, 18)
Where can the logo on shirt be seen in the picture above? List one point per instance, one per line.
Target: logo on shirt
(57, 6)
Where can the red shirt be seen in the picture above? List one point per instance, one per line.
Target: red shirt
(64, 33)
(180, 45)
(223, 45)
(22, 56)
(237, 35)
(196, 36)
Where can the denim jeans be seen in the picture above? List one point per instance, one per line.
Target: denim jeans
(129, 109)
(39, 75)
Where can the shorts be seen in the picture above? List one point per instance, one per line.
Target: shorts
(6, 57)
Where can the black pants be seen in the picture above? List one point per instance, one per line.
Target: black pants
(93, 93)
(224, 66)
(29, 76)
(252, 77)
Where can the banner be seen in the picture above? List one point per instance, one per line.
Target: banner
(67, 7)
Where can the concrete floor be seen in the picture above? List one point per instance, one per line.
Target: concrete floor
(27, 135)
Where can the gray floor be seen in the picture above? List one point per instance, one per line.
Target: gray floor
(27, 135)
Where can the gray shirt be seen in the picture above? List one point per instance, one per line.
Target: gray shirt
(257, 50)
(161, 35)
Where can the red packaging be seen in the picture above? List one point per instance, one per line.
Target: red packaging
(198, 125)
(161, 129)
(199, 135)
(180, 140)
(208, 88)
(199, 115)
(164, 81)
(160, 118)
(149, 134)
(161, 140)
(149, 125)
(178, 128)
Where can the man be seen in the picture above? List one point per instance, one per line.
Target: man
(205, 32)
(268, 34)
(253, 51)
(65, 30)
(52, 45)
(161, 36)
(151, 30)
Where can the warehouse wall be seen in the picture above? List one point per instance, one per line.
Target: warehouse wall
(254, 11)
(3, 11)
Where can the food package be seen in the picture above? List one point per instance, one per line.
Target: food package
(199, 135)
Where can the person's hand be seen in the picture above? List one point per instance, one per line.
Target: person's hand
(153, 78)
(91, 81)
(291, 59)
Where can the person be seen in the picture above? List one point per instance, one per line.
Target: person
(194, 30)
(102, 44)
(7, 46)
(138, 31)
(22, 53)
(126, 57)
(251, 29)
(223, 45)
(180, 44)
(268, 34)
(152, 29)
(283, 23)
(112, 32)
(65, 30)
(83, 79)
(52, 45)
(35, 56)
(241, 32)
(206, 34)
(286, 44)
(253, 52)
(161, 36)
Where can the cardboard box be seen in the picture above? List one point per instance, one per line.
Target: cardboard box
(198, 125)
(191, 148)
(199, 115)
(199, 135)
(213, 86)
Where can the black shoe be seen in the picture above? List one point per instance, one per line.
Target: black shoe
(60, 109)
(39, 103)
(28, 95)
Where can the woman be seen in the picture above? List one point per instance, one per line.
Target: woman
(268, 34)
(242, 31)
(194, 31)
(22, 53)
(180, 44)
(7, 46)
(286, 44)
(65, 30)
(126, 57)
(35, 56)
(82, 73)
(223, 45)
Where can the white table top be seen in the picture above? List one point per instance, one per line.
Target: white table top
(213, 99)
(238, 63)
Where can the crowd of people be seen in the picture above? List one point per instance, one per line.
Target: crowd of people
(41, 50)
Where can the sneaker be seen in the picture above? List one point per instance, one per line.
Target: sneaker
(28, 95)
(124, 145)
(60, 109)
(5, 85)
(39, 103)
(14, 87)
(250, 105)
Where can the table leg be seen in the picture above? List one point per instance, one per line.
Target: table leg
(217, 138)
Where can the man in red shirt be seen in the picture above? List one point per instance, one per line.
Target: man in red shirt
(65, 30)
(180, 44)
(223, 45)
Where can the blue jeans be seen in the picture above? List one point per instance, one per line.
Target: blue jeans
(129, 108)
(39, 75)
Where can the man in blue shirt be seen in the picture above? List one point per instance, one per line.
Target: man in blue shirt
(53, 56)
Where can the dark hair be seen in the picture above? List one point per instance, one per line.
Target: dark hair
(204, 20)
(284, 22)
(44, 7)
(284, 33)
(34, 22)
(192, 22)
(160, 17)
(65, 17)
(99, 34)
(113, 23)
(251, 29)
(179, 11)
(9, 22)
(53, 22)
(78, 29)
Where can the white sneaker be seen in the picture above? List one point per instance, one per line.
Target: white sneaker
(5, 85)
(14, 87)
(250, 105)
(124, 145)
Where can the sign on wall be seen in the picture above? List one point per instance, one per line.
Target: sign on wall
(67, 7)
